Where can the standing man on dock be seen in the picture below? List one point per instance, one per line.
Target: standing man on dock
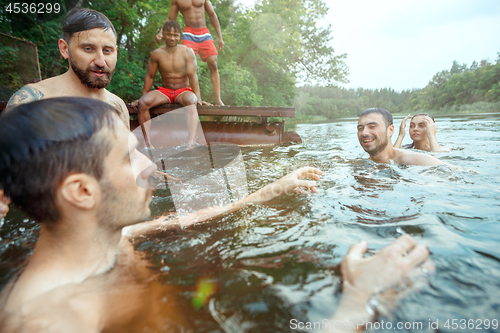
(196, 35)
(89, 44)
(177, 66)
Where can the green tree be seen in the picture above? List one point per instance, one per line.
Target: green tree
(255, 68)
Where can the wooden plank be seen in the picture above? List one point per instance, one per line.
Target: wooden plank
(229, 110)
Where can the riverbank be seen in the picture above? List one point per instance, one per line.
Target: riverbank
(479, 108)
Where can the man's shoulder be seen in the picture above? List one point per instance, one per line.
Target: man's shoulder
(28, 93)
(115, 101)
(34, 92)
(115, 98)
(119, 104)
(416, 158)
(63, 309)
(186, 51)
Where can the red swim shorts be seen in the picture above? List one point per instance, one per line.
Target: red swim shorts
(200, 41)
(172, 94)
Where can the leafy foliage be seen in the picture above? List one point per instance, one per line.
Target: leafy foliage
(9, 57)
(462, 88)
(267, 48)
(461, 85)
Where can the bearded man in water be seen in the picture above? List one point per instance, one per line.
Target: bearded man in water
(375, 128)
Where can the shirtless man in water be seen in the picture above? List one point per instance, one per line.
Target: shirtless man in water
(89, 44)
(177, 66)
(79, 174)
(375, 128)
(197, 36)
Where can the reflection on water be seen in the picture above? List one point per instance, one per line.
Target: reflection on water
(272, 263)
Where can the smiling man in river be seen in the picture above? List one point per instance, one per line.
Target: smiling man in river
(375, 128)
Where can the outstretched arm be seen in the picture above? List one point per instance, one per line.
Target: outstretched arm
(215, 22)
(367, 276)
(401, 135)
(286, 185)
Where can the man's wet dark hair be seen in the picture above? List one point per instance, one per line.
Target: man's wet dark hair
(81, 19)
(169, 25)
(424, 114)
(43, 142)
(386, 115)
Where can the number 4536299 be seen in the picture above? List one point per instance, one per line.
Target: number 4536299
(477, 324)
(33, 8)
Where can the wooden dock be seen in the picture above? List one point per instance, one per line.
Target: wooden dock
(242, 125)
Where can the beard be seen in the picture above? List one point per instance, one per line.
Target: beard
(377, 148)
(91, 81)
(119, 209)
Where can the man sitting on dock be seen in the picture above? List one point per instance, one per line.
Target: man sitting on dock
(72, 165)
(375, 128)
(177, 66)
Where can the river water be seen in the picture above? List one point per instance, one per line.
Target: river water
(259, 268)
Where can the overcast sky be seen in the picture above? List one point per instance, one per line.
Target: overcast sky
(402, 43)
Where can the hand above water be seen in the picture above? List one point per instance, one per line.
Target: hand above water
(430, 125)
(290, 184)
(366, 276)
(370, 275)
(431, 134)
(401, 135)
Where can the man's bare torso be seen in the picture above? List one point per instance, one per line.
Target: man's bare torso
(193, 12)
(172, 66)
(61, 86)
(127, 298)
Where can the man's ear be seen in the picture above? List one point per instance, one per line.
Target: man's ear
(64, 48)
(80, 190)
(390, 130)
